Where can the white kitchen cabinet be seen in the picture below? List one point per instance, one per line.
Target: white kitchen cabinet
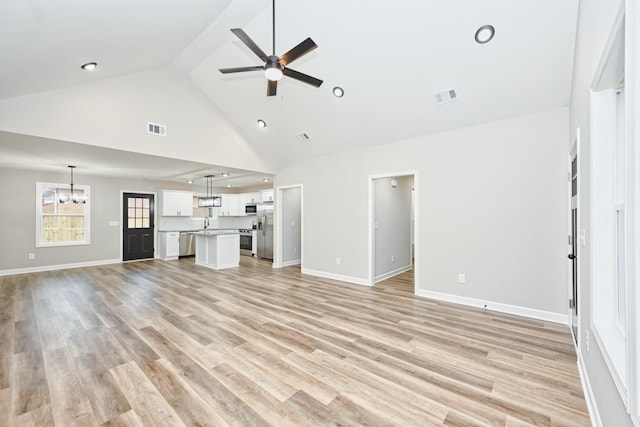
(252, 197)
(242, 200)
(230, 205)
(267, 195)
(176, 203)
(169, 244)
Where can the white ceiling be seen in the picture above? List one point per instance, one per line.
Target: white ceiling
(390, 57)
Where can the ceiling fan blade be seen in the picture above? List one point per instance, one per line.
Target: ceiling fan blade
(240, 69)
(301, 49)
(302, 77)
(250, 43)
(272, 85)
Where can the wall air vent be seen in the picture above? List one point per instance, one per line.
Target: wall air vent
(303, 137)
(156, 129)
(445, 96)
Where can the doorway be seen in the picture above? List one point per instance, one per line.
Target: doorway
(393, 225)
(573, 237)
(137, 226)
(289, 212)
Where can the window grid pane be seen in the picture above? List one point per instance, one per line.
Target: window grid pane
(139, 212)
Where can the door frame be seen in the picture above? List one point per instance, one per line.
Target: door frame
(155, 222)
(575, 329)
(416, 227)
(278, 231)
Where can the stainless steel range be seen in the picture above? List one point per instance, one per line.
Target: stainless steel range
(246, 241)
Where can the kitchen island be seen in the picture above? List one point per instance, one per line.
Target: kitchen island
(217, 249)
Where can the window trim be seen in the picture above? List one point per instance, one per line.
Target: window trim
(87, 216)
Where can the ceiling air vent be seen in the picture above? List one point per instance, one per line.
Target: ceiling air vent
(156, 129)
(445, 96)
(303, 137)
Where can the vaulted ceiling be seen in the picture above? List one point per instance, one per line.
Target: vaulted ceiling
(389, 57)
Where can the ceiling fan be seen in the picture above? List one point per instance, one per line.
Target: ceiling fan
(275, 66)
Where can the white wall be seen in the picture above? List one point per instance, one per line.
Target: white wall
(392, 230)
(595, 22)
(491, 204)
(114, 113)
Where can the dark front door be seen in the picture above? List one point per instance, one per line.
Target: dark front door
(137, 217)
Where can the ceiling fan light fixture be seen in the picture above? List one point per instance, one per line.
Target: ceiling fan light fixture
(484, 34)
(273, 71)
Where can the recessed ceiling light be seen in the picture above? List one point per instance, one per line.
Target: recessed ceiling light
(89, 66)
(225, 174)
(262, 123)
(265, 180)
(189, 181)
(229, 185)
(485, 34)
(338, 91)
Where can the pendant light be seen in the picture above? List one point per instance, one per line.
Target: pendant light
(74, 197)
(208, 201)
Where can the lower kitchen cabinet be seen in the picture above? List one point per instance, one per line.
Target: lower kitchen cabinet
(169, 244)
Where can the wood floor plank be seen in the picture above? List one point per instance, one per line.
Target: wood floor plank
(143, 397)
(106, 398)
(70, 405)
(171, 343)
(192, 410)
(30, 389)
(5, 407)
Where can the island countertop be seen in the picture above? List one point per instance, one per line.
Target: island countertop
(213, 232)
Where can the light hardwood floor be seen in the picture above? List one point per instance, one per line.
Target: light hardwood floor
(169, 343)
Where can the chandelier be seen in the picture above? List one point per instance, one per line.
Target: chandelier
(75, 198)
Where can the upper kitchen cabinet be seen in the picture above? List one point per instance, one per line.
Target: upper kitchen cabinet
(267, 195)
(252, 197)
(176, 203)
(230, 205)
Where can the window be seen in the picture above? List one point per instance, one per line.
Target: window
(62, 218)
(609, 225)
(138, 212)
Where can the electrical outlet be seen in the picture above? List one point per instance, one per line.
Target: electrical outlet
(462, 278)
(32, 256)
(338, 261)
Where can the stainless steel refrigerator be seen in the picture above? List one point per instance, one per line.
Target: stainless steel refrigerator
(265, 230)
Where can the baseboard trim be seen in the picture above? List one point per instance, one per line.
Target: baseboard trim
(392, 273)
(533, 313)
(58, 267)
(339, 277)
(290, 263)
(592, 406)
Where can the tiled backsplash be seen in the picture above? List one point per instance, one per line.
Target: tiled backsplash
(176, 223)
